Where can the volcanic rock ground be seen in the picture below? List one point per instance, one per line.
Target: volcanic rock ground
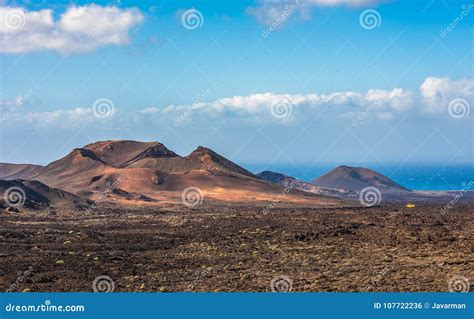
(238, 248)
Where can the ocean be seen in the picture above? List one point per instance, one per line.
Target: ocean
(412, 176)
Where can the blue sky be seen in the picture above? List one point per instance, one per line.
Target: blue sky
(349, 91)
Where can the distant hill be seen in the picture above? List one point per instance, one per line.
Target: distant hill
(18, 171)
(293, 183)
(357, 178)
(36, 195)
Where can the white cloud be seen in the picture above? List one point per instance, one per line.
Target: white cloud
(277, 11)
(70, 118)
(433, 96)
(396, 99)
(79, 29)
(438, 92)
(255, 104)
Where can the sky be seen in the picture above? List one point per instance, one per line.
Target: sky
(318, 81)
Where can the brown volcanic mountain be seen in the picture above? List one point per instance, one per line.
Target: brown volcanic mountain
(127, 170)
(357, 178)
(18, 171)
(143, 165)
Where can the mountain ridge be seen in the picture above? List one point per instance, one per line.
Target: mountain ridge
(150, 172)
(131, 172)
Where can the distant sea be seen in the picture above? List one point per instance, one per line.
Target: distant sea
(412, 176)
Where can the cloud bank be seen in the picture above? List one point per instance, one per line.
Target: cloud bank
(79, 28)
(435, 96)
